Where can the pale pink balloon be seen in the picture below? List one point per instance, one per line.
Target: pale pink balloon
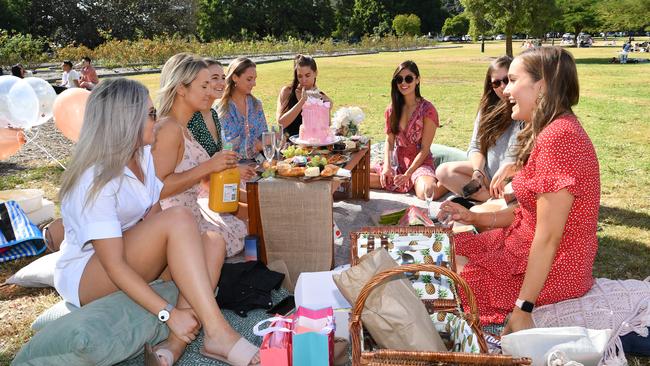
(11, 140)
(68, 111)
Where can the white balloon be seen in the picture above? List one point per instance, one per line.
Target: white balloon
(46, 96)
(6, 82)
(23, 105)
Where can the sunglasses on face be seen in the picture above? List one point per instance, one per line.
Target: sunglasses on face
(399, 79)
(497, 83)
(153, 114)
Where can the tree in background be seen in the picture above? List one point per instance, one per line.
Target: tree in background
(342, 16)
(508, 16)
(619, 15)
(368, 16)
(408, 25)
(578, 15)
(246, 19)
(456, 26)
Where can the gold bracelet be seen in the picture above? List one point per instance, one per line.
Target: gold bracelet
(494, 220)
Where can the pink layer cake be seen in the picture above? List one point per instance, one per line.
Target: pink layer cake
(315, 128)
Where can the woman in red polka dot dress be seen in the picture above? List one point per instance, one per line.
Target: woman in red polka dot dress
(543, 251)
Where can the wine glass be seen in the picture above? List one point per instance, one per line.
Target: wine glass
(428, 196)
(279, 141)
(268, 143)
(394, 161)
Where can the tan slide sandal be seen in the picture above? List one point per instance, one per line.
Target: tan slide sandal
(240, 354)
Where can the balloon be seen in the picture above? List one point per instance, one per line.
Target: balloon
(10, 141)
(6, 82)
(46, 96)
(23, 105)
(68, 111)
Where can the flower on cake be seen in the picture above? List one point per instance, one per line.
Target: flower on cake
(346, 120)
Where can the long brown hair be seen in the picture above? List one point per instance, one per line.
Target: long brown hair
(397, 99)
(237, 67)
(557, 68)
(298, 61)
(495, 113)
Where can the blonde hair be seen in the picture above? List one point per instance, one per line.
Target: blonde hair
(237, 67)
(111, 134)
(180, 69)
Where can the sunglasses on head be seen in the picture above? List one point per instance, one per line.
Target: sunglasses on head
(399, 79)
(497, 83)
(153, 114)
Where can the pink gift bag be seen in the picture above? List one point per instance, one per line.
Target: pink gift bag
(276, 342)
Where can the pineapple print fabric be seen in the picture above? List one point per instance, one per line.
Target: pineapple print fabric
(416, 249)
(457, 334)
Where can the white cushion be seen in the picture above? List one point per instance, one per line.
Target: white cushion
(57, 310)
(39, 273)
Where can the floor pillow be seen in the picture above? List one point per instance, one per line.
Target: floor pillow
(58, 310)
(39, 273)
(103, 332)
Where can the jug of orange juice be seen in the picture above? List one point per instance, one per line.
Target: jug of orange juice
(224, 189)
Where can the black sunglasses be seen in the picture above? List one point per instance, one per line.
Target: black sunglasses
(153, 114)
(399, 79)
(497, 83)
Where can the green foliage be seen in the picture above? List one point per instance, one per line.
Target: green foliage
(456, 26)
(21, 48)
(508, 16)
(624, 14)
(409, 25)
(254, 19)
(366, 16)
(12, 15)
(578, 15)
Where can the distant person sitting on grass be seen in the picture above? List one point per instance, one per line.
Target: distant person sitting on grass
(69, 78)
(88, 79)
(411, 123)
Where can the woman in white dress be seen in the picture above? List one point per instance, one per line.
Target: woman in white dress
(118, 238)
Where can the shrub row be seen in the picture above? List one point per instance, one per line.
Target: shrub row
(154, 52)
(15, 48)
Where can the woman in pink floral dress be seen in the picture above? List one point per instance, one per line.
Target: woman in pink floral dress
(411, 123)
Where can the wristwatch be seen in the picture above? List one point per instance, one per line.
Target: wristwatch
(524, 305)
(163, 315)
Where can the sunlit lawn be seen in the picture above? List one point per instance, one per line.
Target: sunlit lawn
(614, 108)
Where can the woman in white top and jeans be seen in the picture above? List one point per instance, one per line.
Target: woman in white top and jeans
(118, 238)
(491, 150)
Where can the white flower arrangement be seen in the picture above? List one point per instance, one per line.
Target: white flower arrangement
(346, 120)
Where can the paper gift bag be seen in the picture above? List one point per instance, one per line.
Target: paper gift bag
(313, 337)
(276, 342)
(393, 313)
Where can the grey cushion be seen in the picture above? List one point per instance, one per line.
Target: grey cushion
(103, 332)
(39, 273)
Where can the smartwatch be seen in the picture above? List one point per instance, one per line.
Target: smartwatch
(163, 315)
(524, 305)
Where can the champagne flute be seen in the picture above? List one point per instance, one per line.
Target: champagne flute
(268, 143)
(278, 130)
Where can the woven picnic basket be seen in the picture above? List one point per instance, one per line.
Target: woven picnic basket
(365, 352)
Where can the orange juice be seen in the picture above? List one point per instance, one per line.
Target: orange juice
(224, 191)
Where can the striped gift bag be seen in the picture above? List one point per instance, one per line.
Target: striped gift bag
(19, 237)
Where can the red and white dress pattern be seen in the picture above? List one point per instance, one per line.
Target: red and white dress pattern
(563, 158)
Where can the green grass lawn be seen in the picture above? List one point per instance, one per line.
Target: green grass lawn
(614, 107)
